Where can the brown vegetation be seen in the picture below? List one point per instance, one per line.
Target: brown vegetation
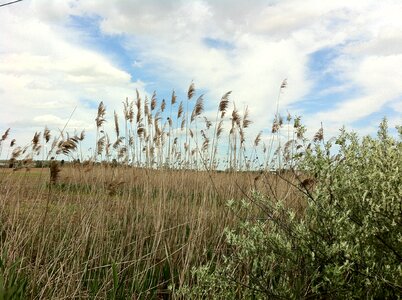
(152, 226)
(144, 209)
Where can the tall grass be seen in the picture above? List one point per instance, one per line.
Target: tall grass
(148, 205)
(153, 135)
(103, 231)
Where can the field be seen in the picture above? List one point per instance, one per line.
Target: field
(177, 208)
(104, 231)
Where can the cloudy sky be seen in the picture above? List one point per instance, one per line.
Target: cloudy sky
(342, 59)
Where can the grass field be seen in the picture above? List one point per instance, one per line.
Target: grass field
(141, 212)
(112, 232)
(143, 216)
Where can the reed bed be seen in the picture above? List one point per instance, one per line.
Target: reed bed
(132, 218)
(104, 232)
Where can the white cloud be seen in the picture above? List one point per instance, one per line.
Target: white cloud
(52, 121)
(46, 71)
(45, 75)
(269, 43)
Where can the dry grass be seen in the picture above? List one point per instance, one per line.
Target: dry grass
(144, 210)
(103, 231)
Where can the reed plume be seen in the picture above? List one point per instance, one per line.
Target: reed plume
(5, 135)
(153, 101)
(141, 131)
(3, 138)
(100, 145)
(236, 119)
(191, 91)
(284, 84)
(198, 108)
(180, 110)
(190, 94)
(116, 125)
(319, 135)
(224, 103)
(236, 123)
(35, 142)
(16, 153)
(276, 124)
(67, 146)
(173, 99)
(138, 105)
(82, 135)
(100, 119)
(146, 106)
(118, 141)
(163, 105)
(128, 110)
(246, 120)
(46, 135)
(257, 139)
(208, 123)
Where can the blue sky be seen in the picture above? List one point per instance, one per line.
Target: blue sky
(340, 58)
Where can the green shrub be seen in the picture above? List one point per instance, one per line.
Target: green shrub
(347, 243)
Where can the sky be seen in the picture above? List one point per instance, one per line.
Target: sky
(342, 60)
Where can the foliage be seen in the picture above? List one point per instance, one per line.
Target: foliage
(347, 244)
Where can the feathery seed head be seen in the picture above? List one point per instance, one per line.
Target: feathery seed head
(116, 124)
(180, 110)
(191, 91)
(284, 84)
(100, 119)
(319, 135)
(153, 101)
(224, 103)
(257, 139)
(246, 120)
(5, 135)
(173, 101)
(46, 134)
(198, 108)
(163, 105)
